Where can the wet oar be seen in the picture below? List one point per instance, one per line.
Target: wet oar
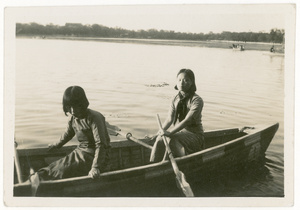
(114, 130)
(180, 177)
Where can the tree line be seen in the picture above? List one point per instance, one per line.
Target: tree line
(95, 30)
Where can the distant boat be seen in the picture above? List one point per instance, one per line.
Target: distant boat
(238, 47)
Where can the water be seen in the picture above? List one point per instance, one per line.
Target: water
(130, 83)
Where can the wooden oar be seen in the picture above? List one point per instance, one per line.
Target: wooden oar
(180, 177)
(17, 163)
(114, 130)
(34, 178)
(131, 138)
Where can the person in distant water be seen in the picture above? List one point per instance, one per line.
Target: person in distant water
(185, 113)
(92, 154)
(272, 49)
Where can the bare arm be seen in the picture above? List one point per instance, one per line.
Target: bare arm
(168, 122)
(176, 128)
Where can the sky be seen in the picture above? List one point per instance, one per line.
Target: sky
(190, 18)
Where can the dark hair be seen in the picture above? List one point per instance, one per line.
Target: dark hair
(191, 75)
(74, 96)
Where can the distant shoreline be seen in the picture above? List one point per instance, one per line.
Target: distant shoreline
(187, 43)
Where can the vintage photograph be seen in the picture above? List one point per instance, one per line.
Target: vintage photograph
(168, 103)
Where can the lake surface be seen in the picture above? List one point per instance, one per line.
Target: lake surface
(130, 83)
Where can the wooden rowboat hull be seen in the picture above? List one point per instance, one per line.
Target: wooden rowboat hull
(132, 175)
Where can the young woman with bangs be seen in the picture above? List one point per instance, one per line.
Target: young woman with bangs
(185, 113)
(92, 154)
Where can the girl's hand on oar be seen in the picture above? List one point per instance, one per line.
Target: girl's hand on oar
(164, 133)
(94, 173)
(151, 138)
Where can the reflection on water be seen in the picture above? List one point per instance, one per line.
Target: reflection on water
(130, 83)
(253, 181)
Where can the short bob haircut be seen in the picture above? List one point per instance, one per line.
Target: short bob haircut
(190, 75)
(74, 96)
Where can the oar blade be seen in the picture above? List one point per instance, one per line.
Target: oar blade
(35, 183)
(112, 129)
(184, 185)
(112, 132)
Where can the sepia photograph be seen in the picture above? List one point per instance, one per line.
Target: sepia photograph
(162, 104)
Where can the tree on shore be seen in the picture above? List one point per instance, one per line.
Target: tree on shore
(277, 36)
(95, 30)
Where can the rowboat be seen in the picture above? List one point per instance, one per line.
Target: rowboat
(131, 174)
